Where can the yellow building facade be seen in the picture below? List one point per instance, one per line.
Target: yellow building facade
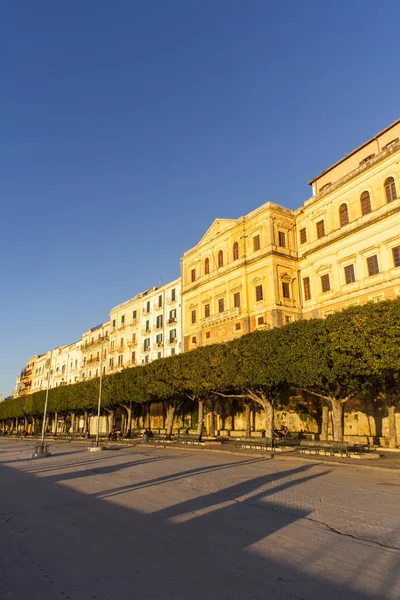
(275, 265)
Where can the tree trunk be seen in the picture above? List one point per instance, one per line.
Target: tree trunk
(170, 420)
(392, 427)
(269, 419)
(212, 419)
(200, 418)
(325, 422)
(337, 418)
(85, 423)
(247, 414)
(16, 425)
(33, 425)
(72, 429)
(55, 423)
(25, 423)
(111, 415)
(128, 421)
(147, 422)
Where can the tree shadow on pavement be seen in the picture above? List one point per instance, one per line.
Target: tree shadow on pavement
(233, 544)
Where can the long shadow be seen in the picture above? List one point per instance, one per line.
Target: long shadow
(230, 545)
(106, 470)
(174, 477)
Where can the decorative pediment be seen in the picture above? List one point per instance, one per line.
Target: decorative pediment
(219, 226)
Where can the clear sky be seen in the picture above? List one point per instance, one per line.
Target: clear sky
(127, 127)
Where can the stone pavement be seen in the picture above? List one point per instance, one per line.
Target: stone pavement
(150, 522)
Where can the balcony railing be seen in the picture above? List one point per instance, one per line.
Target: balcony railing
(172, 321)
(158, 306)
(158, 327)
(122, 326)
(86, 347)
(146, 311)
(158, 345)
(111, 349)
(93, 361)
(146, 331)
(120, 348)
(170, 301)
(134, 322)
(132, 343)
(226, 315)
(131, 363)
(146, 349)
(172, 341)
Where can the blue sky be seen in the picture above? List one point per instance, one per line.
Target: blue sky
(127, 127)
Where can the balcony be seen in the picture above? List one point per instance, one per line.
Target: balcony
(120, 348)
(134, 322)
(158, 327)
(172, 341)
(122, 327)
(158, 307)
(111, 349)
(89, 345)
(226, 315)
(172, 321)
(132, 343)
(93, 361)
(146, 349)
(158, 345)
(146, 311)
(170, 301)
(146, 331)
(131, 363)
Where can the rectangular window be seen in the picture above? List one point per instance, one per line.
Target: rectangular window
(303, 235)
(206, 310)
(236, 300)
(173, 351)
(123, 320)
(194, 340)
(307, 288)
(282, 239)
(208, 335)
(256, 243)
(221, 305)
(147, 326)
(288, 319)
(259, 293)
(193, 275)
(159, 322)
(134, 316)
(285, 289)
(158, 354)
(349, 274)
(260, 320)
(133, 357)
(396, 256)
(193, 316)
(173, 295)
(238, 326)
(320, 229)
(113, 326)
(159, 338)
(160, 301)
(325, 283)
(148, 306)
(172, 336)
(373, 266)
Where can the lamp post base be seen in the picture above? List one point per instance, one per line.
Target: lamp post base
(41, 451)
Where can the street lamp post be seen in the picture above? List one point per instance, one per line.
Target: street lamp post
(99, 403)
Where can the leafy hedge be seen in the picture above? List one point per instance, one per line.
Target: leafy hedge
(353, 351)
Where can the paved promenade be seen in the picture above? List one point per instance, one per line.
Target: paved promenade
(185, 524)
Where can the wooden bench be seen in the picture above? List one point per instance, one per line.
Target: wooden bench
(190, 438)
(261, 443)
(326, 447)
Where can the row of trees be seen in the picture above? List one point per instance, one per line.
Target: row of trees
(355, 351)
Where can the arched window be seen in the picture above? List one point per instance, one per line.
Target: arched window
(343, 215)
(206, 266)
(235, 251)
(390, 189)
(220, 259)
(365, 203)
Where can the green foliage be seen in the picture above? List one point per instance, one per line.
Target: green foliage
(348, 352)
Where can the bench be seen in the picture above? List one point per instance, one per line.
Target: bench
(190, 438)
(326, 447)
(291, 440)
(262, 443)
(160, 438)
